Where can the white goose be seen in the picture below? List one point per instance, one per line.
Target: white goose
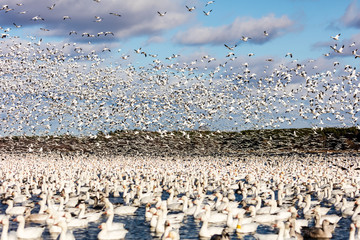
(39, 217)
(109, 222)
(5, 234)
(280, 236)
(11, 210)
(65, 234)
(122, 210)
(89, 216)
(106, 234)
(29, 232)
(245, 226)
(206, 231)
(75, 222)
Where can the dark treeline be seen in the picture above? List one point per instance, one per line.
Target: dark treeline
(137, 142)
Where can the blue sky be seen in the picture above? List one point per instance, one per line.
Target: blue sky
(304, 25)
(176, 52)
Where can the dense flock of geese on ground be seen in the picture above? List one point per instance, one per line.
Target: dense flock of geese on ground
(308, 197)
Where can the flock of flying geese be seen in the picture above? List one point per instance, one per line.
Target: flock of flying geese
(283, 198)
(67, 88)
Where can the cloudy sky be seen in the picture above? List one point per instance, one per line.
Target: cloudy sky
(302, 27)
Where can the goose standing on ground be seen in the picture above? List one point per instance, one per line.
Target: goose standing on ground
(29, 232)
(245, 226)
(319, 233)
(206, 231)
(121, 210)
(170, 233)
(109, 222)
(17, 210)
(106, 234)
(223, 236)
(352, 231)
(280, 236)
(89, 216)
(5, 234)
(65, 234)
(39, 217)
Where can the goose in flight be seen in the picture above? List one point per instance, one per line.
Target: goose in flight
(115, 14)
(52, 6)
(208, 3)
(17, 26)
(66, 17)
(161, 14)
(137, 50)
(230, 48)
(245, 39)
(97, 19)
(336, 37)
(266, 33)
(37, 18)
(207, 13)
(340, 50)
(289, 54)
(190, 9)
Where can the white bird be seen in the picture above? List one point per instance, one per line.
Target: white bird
(190, 9)
(106, 234)
(5, 235)
(161, 14)
(207, 13)
(115, 14)
(28, 232)
(52, 6)
(208, 3)
(36, 18)
(336, 37)
(230, 48)
(245, 39)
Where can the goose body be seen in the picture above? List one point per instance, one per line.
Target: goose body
(106, 234)
(28, 232)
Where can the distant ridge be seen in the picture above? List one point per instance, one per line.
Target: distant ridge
(190, 143)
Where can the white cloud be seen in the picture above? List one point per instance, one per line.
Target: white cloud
(138, 17)
(351, 17)
(233, 32)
